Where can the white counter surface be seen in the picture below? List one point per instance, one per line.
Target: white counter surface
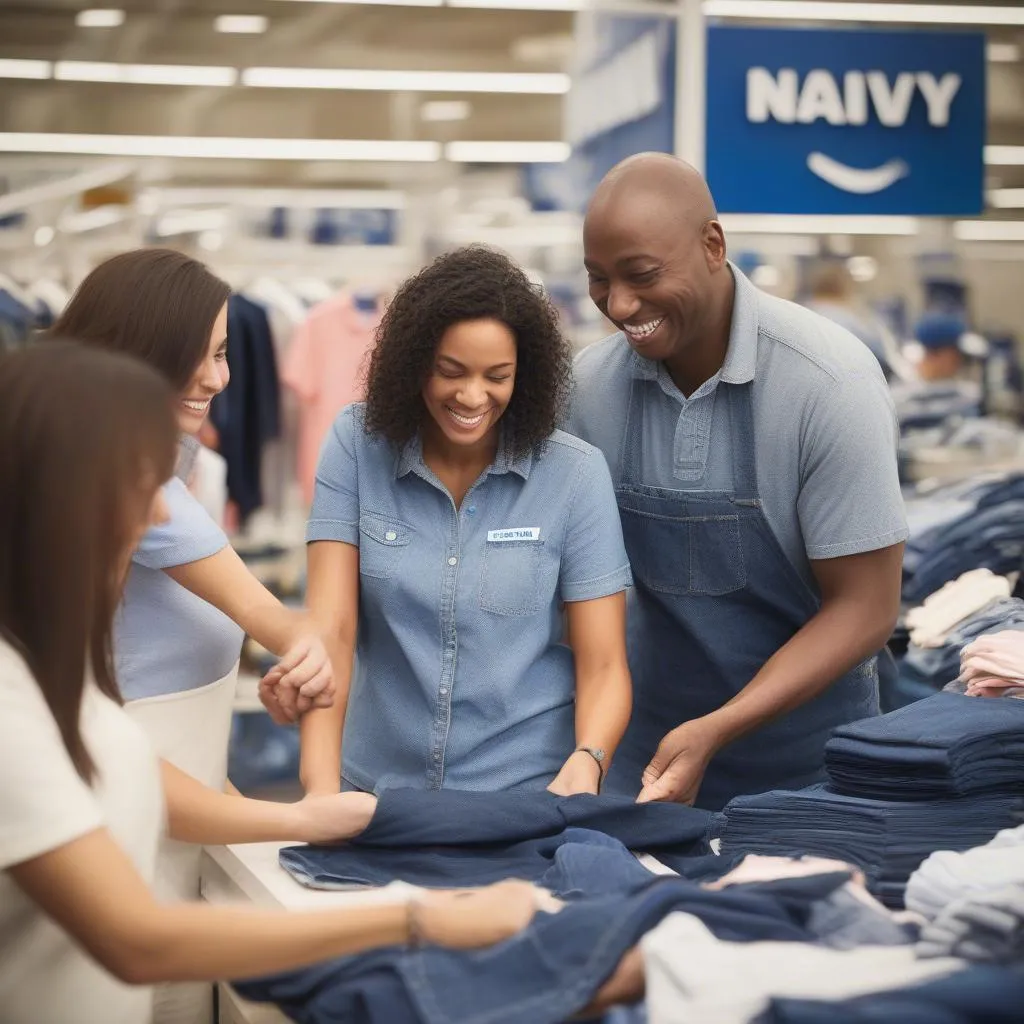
(250, 874)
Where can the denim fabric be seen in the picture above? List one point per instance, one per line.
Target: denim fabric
(543, 976)
(948, 744)
(462, 677)
(977, 995)
(568, 844)
(887, 839)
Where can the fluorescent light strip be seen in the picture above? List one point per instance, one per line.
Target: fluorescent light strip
(521, 5)
(37, 69)
(240, 24)
(918, 14)
(800, 224)
(1005, 156)
(412, 81)
(143, 74)
(1003, 53)
(1006, 198)
(219, 148)
(100, 17)
(989, 230)
(262, 198)
(507, 152)
(93, 220)
(383, 3)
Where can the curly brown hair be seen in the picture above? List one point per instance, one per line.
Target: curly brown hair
(471, 283)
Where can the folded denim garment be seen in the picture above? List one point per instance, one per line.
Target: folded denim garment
(447, 837)
(945, 745)
(976, 995)
(546, 974)
(887, 839)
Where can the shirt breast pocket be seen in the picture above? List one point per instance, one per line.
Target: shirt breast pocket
(511, 579)
(382, 544)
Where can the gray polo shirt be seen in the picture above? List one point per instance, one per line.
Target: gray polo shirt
(824, 420)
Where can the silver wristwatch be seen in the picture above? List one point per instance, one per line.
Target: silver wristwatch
(597, 754)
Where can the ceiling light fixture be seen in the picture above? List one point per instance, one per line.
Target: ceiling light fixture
(266, 198)
(445, 110)
(201, 147)
(411, 81)
(902, 13)
(241, 24)
(507, 152)
(989, 230)
(144, 74)
(1003, 53)
(38, 69)
(100, 17)
(1006, 198)
(1005, 156)
(811, 224)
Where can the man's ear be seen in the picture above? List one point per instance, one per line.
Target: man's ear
(713, 241)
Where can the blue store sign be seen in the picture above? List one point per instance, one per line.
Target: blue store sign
(819, 121)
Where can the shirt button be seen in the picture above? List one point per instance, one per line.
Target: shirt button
(391, 535)
(453, 560)
(444, 691)
(471, 510)
(437, 757)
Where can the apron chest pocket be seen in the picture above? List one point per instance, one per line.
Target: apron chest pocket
(511, 576)
(382, 543)
(694, 555)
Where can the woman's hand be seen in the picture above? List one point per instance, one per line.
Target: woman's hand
(580, 774)
(333, 818)
(301, 680)
(477, 917)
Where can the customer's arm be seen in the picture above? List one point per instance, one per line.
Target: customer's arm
(333, 598)
(199, 814)
(304, 674)
(92, 890)
(604, 692)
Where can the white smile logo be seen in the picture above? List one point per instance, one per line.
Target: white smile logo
(782, 97)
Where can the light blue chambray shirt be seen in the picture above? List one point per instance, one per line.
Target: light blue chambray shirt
(462, 678)
(824, 421)
(167, 640)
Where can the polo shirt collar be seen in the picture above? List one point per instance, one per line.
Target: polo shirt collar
(410, 460)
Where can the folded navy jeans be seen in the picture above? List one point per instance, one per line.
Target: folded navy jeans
(945, 745)
(451, 838)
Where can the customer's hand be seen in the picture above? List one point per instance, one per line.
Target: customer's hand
(580, 774)
(303, 679)
(677, 768)
(479, 917)
(626, 985)
(333, 817)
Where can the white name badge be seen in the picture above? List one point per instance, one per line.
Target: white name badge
(517, 533)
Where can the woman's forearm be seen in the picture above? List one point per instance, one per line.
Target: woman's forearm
(604, 701)
(320, 747)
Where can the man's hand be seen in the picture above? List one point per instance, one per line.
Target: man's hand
(580, 774)
(677, 768)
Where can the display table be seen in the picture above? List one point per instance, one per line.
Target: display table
(250, 874)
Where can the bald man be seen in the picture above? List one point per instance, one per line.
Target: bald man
(753, 447)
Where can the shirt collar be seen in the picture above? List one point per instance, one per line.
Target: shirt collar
(741, 355)
(188, 453)
(410, 460)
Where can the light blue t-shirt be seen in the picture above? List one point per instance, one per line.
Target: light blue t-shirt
(166, 639)
(823, 417)
(462, 677)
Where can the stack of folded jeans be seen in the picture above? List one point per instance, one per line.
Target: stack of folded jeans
(887, 839)
(990, 534)
(946, 745)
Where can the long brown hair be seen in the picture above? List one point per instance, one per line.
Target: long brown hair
(157, 304)
(85, 438)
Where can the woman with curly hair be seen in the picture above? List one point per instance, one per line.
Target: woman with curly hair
(451, 523)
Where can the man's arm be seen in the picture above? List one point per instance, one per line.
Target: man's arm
(860, 603)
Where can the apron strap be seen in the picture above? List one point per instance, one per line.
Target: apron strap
(744, 454)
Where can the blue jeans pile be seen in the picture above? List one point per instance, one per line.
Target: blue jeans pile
(945, 745)
(986, 531)
(450, 838)
(546, 974)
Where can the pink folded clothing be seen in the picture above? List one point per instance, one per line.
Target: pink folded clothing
(993, 665)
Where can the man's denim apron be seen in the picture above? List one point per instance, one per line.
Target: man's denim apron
(714, 598)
